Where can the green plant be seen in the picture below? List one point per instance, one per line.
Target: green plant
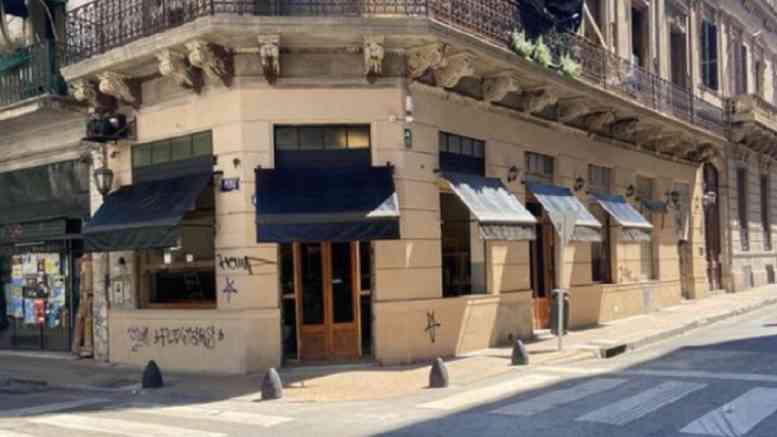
(542, 53)
(569, 66)
(522, 45)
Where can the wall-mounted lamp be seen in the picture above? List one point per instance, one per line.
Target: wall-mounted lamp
(103, 180)
(408, 137)
(579, 183)
(236, 162)
(513, 173)
(629, 191)
(709, 198)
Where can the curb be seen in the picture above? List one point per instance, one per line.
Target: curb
(601, 352)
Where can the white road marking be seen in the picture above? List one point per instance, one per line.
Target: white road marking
(50, 408)
(723, 376)
(5, 433)
(490, 393)
(636, 407)
(124, 428)
(739, 416)
(557, 398)
(221, 414)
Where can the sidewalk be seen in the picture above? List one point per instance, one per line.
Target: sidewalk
(370, 381)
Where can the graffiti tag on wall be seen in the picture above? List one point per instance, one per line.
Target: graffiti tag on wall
(431, 326)
(206, 337)
(229, 289)
(240, 263)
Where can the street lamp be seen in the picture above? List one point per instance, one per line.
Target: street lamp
(103, 179)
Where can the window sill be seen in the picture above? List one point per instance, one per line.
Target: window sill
(180, 306)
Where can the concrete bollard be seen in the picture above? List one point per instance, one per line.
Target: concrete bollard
(520, 357)
(152, 376)
(272, 387)
(438, 376)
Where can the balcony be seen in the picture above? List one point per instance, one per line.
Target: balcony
(753, 123)
(30, 72)
(104, 25)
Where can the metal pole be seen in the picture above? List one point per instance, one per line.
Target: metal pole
(560, 319)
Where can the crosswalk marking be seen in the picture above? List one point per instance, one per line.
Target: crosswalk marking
(557, 398)
(490, 393)
(50, 408)
(739, 416)
(213, 414)
(6, 433)
(124, 428)
(635, 407)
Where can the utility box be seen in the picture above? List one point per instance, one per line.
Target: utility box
(554, 311)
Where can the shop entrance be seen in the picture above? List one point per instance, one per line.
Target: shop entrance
(542, 265)
(328, 305)
(712, 229)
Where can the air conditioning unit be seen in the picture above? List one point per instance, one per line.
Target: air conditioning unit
(103, 129)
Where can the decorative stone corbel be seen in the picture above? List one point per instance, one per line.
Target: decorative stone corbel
(741, 153)
(421, 59)
(625, 127)
(84, 90)
(496, 88)
(570, 109)
(211, 59)
(374, 52)
(175, 65)
(119, 86)
(536, 100)
(270, 57)
(458, 66)
(596, 121)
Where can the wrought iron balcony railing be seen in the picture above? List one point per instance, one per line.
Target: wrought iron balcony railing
(30, 72)
(102, 25)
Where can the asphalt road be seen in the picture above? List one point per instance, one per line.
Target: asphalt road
(717, 381)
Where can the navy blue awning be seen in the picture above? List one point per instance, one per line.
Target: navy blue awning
(144, 215)
(559, 200)
(326, 204)
(635, 226)
(499, 213)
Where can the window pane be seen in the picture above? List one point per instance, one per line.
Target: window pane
(286, 138)
(358, 137)
(181, 148)
(456, 250)
(479, 149)
(202, 144)
(466, 146)
(160, 152)
(335, 138)
(365, 262)
(443, 140)
(311, 138)
(342, 283)
(454, 143)
(312, 284)
(141, 155)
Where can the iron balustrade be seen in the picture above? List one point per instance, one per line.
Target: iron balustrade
(102, 25)
(29, 72)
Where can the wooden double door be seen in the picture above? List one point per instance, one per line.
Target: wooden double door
(326, 287)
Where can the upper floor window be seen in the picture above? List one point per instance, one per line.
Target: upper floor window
(639, 34)
(760, 67)
(539, 168)
(599, 179)
(460, 154)
(316, 145)
(173, 149)
(709, 55)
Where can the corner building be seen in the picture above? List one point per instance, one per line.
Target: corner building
(391, 180)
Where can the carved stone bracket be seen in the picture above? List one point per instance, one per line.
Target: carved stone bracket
(625, 127)
(421, 59)
(120, 86)
(374, 52)
(705, 153)
(536, 100)
(596, 121)
(213, 60)
(457, 67)
(175, 65)
(496, 88)
(571, 109)
(765, 163)
(740, 153)
(270, 57)
(84, 90)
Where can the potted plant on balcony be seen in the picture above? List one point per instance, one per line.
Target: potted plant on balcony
(542, 53)
(522, 45)
(569, 66)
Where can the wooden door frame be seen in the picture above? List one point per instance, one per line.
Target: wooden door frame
(329, 327)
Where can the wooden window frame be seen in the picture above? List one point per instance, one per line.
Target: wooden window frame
(709, 55)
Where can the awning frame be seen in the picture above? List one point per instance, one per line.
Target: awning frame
(633, 229)
(587, 228)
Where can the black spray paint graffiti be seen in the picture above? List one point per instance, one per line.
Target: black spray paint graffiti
(229, 289)
(138, 337)
(195, 336)
(431, 326)
(240, 263)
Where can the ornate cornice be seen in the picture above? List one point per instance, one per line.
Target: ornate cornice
(421, 59)
(457, 67)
